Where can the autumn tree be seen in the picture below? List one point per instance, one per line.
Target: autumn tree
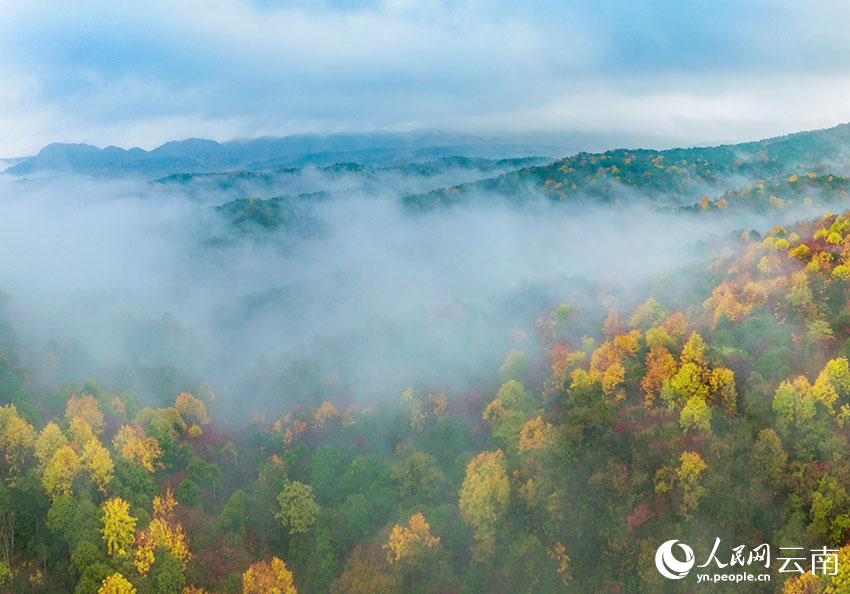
(363, 574)
(649, 314)
(326, 413)
(417, 554)
(508, 410)
(116, 584)
(59, 473)
(80, 432)
(98, 463)
(661, 366)
(689, 473)
(85, 408)
(163, 531)
(607, 363)
(413, 540)
(696, 416)
(802, 420)
(131, 443)
(536, 434)
(268, 577)
(832, 383)
(298, 508)
(16, 440)
(119, 527)
(696, 384)
(484, 498)
(191, 409)
(165, 425)
(48, 442)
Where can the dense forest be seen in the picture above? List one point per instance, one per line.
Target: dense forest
(706, 401)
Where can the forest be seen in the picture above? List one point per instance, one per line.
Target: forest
(670, 360)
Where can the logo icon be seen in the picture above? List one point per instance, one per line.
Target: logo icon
(668, 565)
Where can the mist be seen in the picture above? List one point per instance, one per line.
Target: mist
(132, 281)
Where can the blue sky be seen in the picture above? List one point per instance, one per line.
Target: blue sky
(651, 71)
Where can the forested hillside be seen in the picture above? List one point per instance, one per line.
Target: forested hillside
(708, 400)
(664, 178)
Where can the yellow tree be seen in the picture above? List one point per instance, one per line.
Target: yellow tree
(417, 556)
(832, 382)
(298, 508)
(86, 408)
(98, 463)
(49, 440)
(689, 472)
(535, 435)
(413, 540)
(606, 362)
(695, 380)
(163, 531)
(119, 527)
(694, 350)
(60, 472)
(191, 408)
(131, 443)
(696, 416)
(16, 439)
(116, 584)
(722, 383)
(163, 507)
(80, 432)
(268, 577)
(484, 498)
(325, 413)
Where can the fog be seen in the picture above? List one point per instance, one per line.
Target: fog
(149, 288)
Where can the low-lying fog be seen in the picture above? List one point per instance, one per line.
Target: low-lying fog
(120, 280)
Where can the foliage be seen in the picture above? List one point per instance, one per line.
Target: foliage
(268, 577)
(298, 508)
(119, 527)
(116, 584)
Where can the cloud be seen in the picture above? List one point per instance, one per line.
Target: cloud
(139, 74)
(379, 298)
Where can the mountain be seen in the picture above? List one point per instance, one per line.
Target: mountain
(606, 401)
(662, 177)
(200, 156)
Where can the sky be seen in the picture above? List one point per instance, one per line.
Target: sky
(641, 72)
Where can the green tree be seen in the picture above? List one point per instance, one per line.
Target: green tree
(419, 477)
(484, 498)
(298, 508)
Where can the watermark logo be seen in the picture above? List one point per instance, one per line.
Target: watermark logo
(822, 561)
(668, 565)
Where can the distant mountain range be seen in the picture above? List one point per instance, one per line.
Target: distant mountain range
(205, 156)
(674, 177)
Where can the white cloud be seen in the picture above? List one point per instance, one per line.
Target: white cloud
(140, 74)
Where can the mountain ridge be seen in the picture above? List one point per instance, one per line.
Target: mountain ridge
(668, 176)
(197, 155)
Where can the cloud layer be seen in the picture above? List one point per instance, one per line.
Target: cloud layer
(657, 71)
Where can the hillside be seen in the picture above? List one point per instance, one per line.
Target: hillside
(703, 397)
(669, 178)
